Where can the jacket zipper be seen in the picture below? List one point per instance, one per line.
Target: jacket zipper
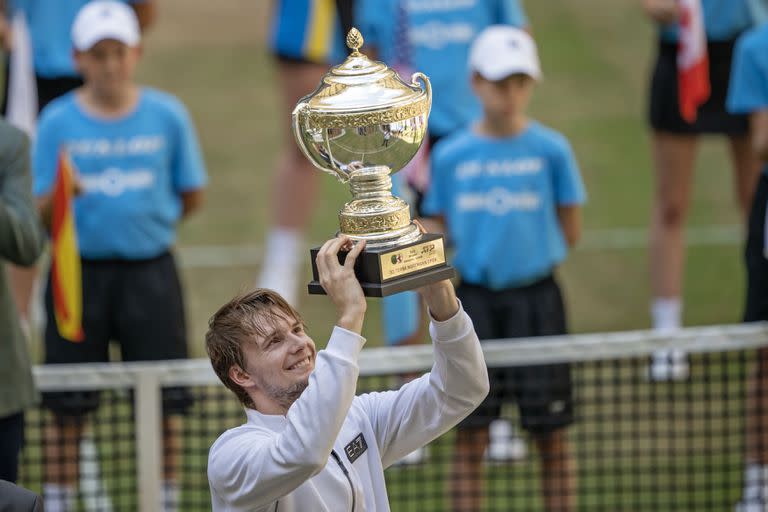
(346, 474)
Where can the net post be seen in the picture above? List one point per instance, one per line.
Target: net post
(149, 440)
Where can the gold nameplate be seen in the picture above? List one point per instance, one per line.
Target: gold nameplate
(401, 262)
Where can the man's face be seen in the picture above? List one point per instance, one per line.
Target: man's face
(506, 97)
(278, 364)
(109, 65)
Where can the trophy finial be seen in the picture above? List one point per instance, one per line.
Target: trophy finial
(354, 40)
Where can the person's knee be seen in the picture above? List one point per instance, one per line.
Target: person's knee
(672, 214)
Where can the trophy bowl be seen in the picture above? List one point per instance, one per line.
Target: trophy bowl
(362, 124)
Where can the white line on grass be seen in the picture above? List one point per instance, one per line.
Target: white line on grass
(198, 256)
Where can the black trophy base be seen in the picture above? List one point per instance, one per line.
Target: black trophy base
(384, 272)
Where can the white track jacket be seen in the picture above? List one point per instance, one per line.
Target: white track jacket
(328, 453)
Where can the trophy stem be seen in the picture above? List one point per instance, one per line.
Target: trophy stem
(371, 182)
(374, 214)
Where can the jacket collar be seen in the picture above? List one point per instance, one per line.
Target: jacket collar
(274, 422)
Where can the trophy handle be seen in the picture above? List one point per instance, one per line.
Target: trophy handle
(301, 112)
(425, 80)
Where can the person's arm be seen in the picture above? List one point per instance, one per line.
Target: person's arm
(146, 13)
(429, 406)
(191, 201)
(569, 190)
(21, 236)
(187, 166)
(758, 122)
(569, 217)
(250, 469)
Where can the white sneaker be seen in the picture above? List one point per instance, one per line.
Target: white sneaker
(505, 443)
(417, 456)
(669, 365)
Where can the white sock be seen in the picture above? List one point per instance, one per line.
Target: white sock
(666, 313)
(755, 481)
(59, 498)
(171, 495)
(281, 267)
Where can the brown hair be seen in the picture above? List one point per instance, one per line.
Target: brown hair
(240, 321)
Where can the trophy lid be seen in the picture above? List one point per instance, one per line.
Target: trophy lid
(361, 85)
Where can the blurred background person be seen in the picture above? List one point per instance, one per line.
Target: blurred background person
(48, 24)
(306, 38)
(675, 129)
(141, 172)
(509, 192)
(22, 239)
(749, 95)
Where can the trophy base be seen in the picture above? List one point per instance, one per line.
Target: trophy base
(386, 271)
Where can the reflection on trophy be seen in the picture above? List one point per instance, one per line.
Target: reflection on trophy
(363, 124)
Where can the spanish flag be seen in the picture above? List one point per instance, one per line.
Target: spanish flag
(66, 281)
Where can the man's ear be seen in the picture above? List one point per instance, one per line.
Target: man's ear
(240, 376)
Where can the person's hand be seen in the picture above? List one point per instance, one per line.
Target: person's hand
(340, 283)
(662, 11)
(440, 297)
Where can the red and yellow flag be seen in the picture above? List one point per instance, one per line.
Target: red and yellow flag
(693, 87)
(66, 281)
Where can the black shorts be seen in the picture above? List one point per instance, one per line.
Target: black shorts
(756, 256)
(135, 303)
(48, 89)
(712, 117)
(543, 392)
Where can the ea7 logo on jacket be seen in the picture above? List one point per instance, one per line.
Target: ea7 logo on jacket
(356, 448)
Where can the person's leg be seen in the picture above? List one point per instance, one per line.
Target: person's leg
(558, 471)
(151, 326)
(756, 257)
(69, 408)
(674, 157)
(62, 462)
(466, 480)
(674, 160)
(467, 484)
(746, 167)
(171, 462)
(11, 441)
(294, 188)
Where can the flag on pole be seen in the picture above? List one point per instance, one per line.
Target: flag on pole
(692, 60)
(66, 281)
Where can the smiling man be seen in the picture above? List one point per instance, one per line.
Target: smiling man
(309, 443)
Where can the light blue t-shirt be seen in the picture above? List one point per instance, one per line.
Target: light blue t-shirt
(499, 198)
(50, 26)
(133, 170)
(434, 37)
(748, 90)
(723, 19)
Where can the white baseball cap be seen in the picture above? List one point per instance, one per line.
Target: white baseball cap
(502, 50)
(105, 19)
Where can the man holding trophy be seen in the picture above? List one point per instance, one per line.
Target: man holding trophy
(309, 442)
